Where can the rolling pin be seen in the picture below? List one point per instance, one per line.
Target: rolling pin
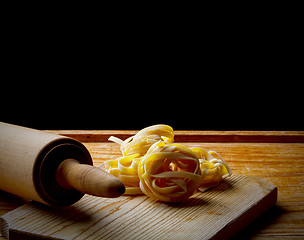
(49, 168)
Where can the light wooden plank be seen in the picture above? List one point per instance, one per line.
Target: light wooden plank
(278, 163)
(281, 164)
(216, 214)
(191, 136)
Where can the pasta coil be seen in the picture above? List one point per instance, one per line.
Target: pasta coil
(170, 173)
(213, 169)
(153, 165)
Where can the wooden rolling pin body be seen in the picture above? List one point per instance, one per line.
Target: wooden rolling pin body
(31, 166)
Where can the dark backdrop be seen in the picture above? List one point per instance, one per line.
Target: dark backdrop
(221, 97)
(236, 99)
(247, 78)
(183, 104)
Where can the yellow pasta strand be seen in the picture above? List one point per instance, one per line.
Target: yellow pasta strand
(213, 169)
(126, 169)
(143, 140)
(169, 172)
(152, 164)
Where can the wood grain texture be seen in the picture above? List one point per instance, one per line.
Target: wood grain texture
(192, 136)
(216, 214)
(279, 160)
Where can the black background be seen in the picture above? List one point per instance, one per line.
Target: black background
(233, 77)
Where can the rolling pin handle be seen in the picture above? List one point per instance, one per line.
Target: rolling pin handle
(88, 179)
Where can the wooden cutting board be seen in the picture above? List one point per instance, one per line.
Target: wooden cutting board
(218, 213)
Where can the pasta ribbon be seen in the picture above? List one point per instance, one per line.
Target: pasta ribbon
(143, 140)
(169, 172)
(152, 164)
(213, 169)
(126, 169)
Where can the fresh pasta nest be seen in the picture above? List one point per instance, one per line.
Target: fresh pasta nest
(154, 165)
(169, 172)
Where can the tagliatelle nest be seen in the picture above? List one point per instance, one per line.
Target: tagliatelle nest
(170, 173)
(152, 164)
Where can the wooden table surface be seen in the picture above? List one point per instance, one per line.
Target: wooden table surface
(277, 157)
